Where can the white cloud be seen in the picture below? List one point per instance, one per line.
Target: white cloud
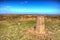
(24, 2)
(8, 6)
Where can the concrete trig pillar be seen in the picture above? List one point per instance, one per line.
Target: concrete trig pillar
(40, 26)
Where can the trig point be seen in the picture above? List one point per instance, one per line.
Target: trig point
(40, 26)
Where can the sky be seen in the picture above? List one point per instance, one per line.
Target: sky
(29, 7)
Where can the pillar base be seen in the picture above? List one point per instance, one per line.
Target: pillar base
(34, 32)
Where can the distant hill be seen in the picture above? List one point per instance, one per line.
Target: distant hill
(6, 16)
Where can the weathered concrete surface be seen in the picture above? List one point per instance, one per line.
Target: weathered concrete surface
(40, 26)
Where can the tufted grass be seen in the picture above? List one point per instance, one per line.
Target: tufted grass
(14, 29)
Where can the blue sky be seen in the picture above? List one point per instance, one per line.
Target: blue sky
(29, 7)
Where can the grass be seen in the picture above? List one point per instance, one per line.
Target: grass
(54, 27)
(13, 29)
